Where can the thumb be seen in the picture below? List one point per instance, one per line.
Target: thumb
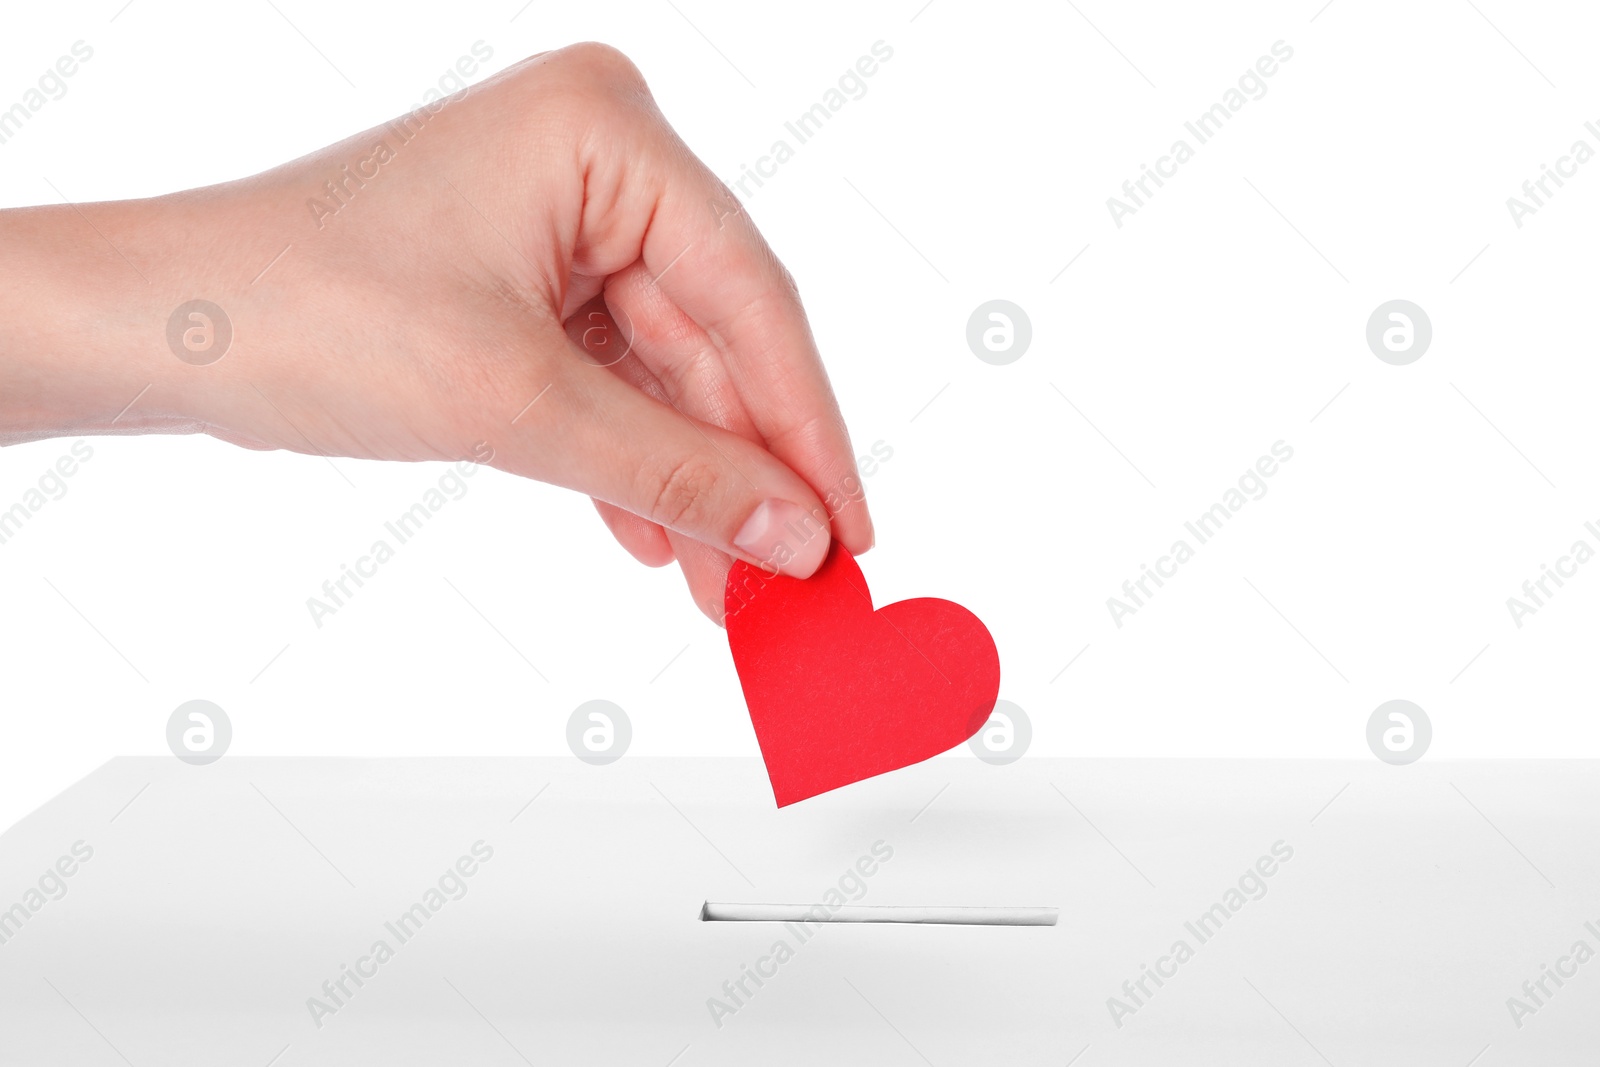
(599, 435)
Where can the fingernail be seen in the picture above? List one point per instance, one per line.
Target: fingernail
(782, 535)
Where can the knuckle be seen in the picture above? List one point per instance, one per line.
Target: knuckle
(599, 66)
(681, 492)
(592, 95)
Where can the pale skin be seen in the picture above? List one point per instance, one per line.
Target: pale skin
(533, 228)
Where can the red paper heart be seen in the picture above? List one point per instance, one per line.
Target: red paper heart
(838, 692)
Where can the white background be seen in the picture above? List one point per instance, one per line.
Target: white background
(1222, 317)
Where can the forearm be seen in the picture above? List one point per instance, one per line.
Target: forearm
(83, 321)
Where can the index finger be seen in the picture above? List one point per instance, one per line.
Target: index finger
(706, 255)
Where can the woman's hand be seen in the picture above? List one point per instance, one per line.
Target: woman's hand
(537, 272)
